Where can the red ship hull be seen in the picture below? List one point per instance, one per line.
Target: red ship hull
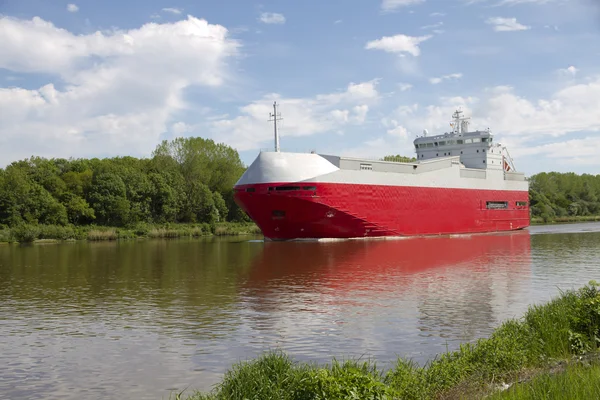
(334, 210)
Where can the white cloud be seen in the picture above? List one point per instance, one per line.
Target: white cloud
(570, 152)
(437, 14)
(433, 26)
(72, 8)
(118, 90)
(506, 24)
(435, 81)
(516, 119)
(403, 87)
(398, 44)
(391, 5)
(571, 71)
(301, 116)
(337, 21)
(272, 18)
(398, 131)
(498, 3)
(171, 10)
(515, 2)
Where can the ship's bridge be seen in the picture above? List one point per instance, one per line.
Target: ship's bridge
(476, 149)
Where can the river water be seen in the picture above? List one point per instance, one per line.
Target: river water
(140, 319)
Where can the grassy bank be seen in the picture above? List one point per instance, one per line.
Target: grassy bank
(31, 233)
(575, 382)
(562, 220)
(547, 334)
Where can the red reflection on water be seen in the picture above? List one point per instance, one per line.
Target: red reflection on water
(378, 264)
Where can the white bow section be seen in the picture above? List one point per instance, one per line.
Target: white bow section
(281, 167)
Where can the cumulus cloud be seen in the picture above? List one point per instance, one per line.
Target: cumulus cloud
(72, 8)
(301, 116)
(532, 129)
(111, 92)
(391, 5)
(272, 18)
(521, 121)
(398, 44)
(506, 24)
(435, 81)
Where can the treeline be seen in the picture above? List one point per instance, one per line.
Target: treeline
(555, 195)
(399, 158)
(186, 180)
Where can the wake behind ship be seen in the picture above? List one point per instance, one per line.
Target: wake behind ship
(462, 182)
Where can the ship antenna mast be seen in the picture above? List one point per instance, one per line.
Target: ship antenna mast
(460, 124)
(275, 116)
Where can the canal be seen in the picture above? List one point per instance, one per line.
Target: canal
(139, 319)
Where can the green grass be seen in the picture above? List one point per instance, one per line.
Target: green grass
(577, 382)
(568, 325)
(25, 233)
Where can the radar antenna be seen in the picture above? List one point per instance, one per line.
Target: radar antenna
(275, 116)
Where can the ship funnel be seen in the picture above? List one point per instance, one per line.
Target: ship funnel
(425, 132)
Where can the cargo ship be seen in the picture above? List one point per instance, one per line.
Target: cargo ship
(461, 182)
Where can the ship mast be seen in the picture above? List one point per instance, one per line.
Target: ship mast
(460, 124)
(274, 116)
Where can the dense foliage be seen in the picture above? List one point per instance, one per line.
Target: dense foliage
(554, 195)
(186, 180)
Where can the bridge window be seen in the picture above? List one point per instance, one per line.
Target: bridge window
(521, 204)
(459, 141)
(468, 141)
(496, 205)
(250, 190)
(476, 140)
(366, 167)
(309, 188)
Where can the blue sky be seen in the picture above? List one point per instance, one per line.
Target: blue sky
(353, 77)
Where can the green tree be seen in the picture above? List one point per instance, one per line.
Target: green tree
(108, 199)
(399, 158)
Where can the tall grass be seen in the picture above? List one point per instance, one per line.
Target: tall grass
(577, 382)
(568, 325)
(102, 234)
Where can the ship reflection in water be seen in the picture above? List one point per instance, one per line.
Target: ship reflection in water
(408, 297)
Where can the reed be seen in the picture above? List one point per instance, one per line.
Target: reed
(568, 325)
(102, 234)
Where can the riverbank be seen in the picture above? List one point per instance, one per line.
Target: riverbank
(550, 340)
(34, 233)
(565, 220)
